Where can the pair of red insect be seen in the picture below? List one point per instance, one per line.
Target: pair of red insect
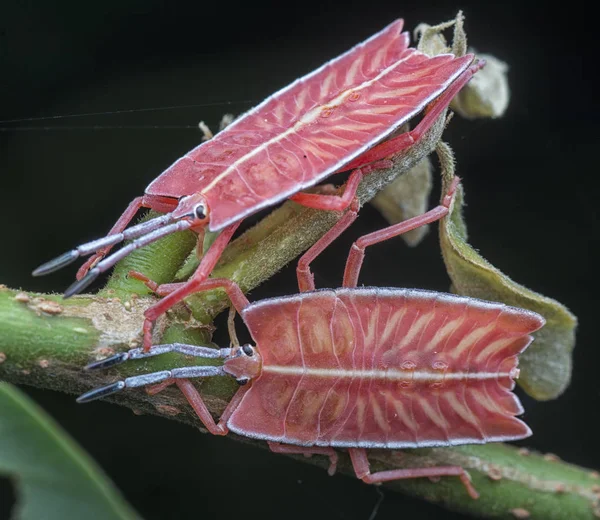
(347, 368)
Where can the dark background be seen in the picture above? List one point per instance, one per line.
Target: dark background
(529, 180)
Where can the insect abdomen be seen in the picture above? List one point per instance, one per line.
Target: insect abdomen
(385, 368)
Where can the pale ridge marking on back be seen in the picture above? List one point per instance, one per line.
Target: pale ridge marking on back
(276, 166)
(371, 334)
(419, 324)
(336, 426)
(437, 396)
(378, 415)
(361, 405)
(486, 401)
(447, 328)
(371, 348)
(402, 413)
(331, 386)
(309, 117)
(464, 411)
(461, 409)
(336, 300)
(391, 324)
(359, 335)
(470, 339)
(339, 423)
(493, 346)
(314, 180)
(500, 409)
(433, 414)
(333, 352)
(299, 382)
(384, 375)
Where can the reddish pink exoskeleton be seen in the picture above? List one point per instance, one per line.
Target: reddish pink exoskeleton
(337, 118)
(359, 368)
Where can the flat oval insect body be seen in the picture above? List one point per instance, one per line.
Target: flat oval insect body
(337, 117)
(384, 368)
(311, 128)
(362, 368)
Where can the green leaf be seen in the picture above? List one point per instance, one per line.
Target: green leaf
(546, 364)
(55, 478)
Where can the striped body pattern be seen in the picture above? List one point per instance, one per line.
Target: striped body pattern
(310, 129)
(384, 368)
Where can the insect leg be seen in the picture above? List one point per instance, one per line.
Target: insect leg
(361, 465)
(339, 202)
(194, 284)
(306, 280)
(151, 378)
(397, 144)
(357, 251)
(158, 289)
(197, 403)
(120, 225)
(328, 451)
(336, 203)
(331, 202)
(138, 353)
(110, 261)
(157, 350)
(159, 387)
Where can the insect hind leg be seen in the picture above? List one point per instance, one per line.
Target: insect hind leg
(289, 449)
(397, 144)
(360, 463)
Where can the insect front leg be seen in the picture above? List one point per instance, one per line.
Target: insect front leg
(308, 452)
(193, 285)
(124, 220)
(362, 468)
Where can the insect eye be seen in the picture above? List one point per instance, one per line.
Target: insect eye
(247, 349)
(200, 211)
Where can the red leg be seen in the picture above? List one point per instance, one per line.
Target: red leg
(197, 403)
(159, 387)
(306, 280)
(160, 290)
(357, 252)
(403, 141)
(194, 284)
(120, 225)
(308, 452)
(331, 203)
(337, 202)
(360, 462)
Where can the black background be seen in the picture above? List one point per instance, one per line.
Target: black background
(529, 180)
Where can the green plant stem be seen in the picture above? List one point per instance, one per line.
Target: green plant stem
(45, 341)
